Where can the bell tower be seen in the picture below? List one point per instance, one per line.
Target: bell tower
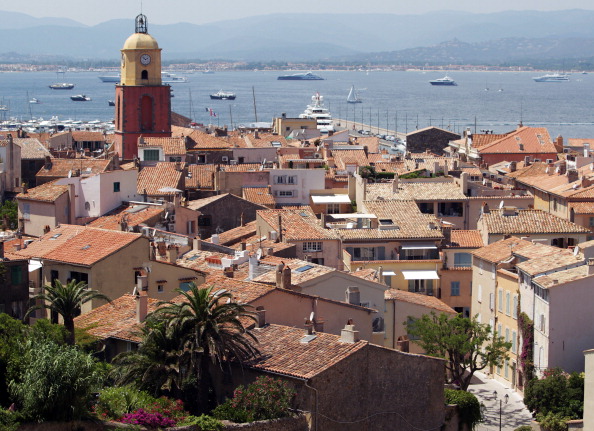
(142, 102)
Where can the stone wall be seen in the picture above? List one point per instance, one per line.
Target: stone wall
(298, 423)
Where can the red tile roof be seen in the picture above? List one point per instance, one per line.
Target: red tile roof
(298, 224)
(200, 177)
(153, 179)
(418, 299)
(61, 167)
(132, 214)
(47, 192)
(259, 195)
(282, 352)
(79, 245)
(528, 221)
(171, 146)
(525, 140)
(466, 239)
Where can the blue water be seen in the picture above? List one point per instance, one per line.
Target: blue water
(390, 99)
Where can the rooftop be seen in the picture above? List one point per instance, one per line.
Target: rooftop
(418, 299)
(527, 221)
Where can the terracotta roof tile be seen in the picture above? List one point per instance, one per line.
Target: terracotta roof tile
(298, 274)
(419, 299)
(200, 177)
(482, 139)
(32, 149)
(152, 179)
(265, 140)
(259, 195)
(47, 192)
(504, 249)
(465, 239)
(342, 158)
(528, 221)
(60, 167)
(525, 140)
(582, 207)
(132, 214)
(199, 140)
(79, 245)
(298, 224)
(416, 191)
(235, 235)
(116, 319)
(171, 146)
(86, 136)
(559, 278)
(542, 264)
(282, 352)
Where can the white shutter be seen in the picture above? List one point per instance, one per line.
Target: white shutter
(492, 301)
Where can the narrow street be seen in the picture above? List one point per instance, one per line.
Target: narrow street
(489, 393)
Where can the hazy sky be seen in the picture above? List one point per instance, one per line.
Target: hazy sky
(92, 12)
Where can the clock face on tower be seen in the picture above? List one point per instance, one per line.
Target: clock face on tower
(145, 59)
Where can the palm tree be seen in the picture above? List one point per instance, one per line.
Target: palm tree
(158, 366)
(66, 300)
(211, 331)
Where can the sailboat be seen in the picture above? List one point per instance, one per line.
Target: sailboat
(353, 97)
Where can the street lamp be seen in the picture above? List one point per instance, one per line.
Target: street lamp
(506, 399)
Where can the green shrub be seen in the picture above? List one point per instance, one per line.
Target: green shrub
(552, 421)
(55, 382)
(115, 402)
(468, 405)
(8, 420)
(203, 422)
(266, 398)
(558, 393)
(524, 428)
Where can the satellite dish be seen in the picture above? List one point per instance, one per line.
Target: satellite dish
(220, 292)
(259, 254)
(501, 204)
(576, 250)
(135, 291)
(311, 316)
(69, 174)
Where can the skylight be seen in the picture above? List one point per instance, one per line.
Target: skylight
(86, 247)
(56, 236)
(304, 268)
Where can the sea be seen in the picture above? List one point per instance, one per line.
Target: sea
(394, 100)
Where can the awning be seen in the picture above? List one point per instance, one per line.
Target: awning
(419, 246)
(351, 215)
(34, 265)
(420, 275)
(331, 199)
(388, 273)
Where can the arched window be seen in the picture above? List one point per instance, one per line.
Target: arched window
(144, 74)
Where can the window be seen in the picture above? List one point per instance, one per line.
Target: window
(79, 276)
(421, 286)
(505, 368)
(286, 193)
(513, 341)
(175, 159)
(144, 74)
(410, 323)
(151, 155)
(280, 179)
(292, 179)
(455, 288)
(507, 303)
(591, 221)
(184, 286)
(499, 330)
(333, 209)
(542, 323)
(515, 307)
(160, 288)
(116, 186)
(479, 296)
(500, 301)
(491, 301)
(16, 275)
(26, 211)
(310, 246)
(462, 260)
(507, 335)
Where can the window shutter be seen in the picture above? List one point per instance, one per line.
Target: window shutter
(492, 301)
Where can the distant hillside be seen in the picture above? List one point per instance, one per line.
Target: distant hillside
(314, 37)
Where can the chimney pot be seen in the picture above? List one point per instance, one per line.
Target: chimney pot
(349, 334)
(141, 305)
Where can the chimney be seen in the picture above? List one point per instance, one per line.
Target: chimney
(323, 220)
(178, 166)
(464, 182)
(162, 248)
(586, 150)
(591, 266)
(318, 325)
(286, 278)
(435, 168)
(526, 160)
(142, 283)
(214, 238)
(349, 334)
(17, 246)
(280, 228)
(395, 184)
(172, 253)
(261, 317)
(512, 166)
(279, 275)
(455, 165)
(253, 264)
(256, 134)
(48, 162)
(309, 326)
(229, 272)
(572, 175)
(141, 305)
(402, 344)
(196, 243)
(242, 245)
(485, 208)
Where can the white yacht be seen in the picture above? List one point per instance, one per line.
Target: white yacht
(317, 111)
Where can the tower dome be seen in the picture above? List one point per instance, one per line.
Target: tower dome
(141, 41)
(141, 57)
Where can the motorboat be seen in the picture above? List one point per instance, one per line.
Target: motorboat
(320, 113)
(353, 97)
(223, 95)
(110, 103)
(110, 78)
(80, 98)
(34, 101)
(62, 86)
(170, 78)
(552, 77)
(301, 77)
(446, 80)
